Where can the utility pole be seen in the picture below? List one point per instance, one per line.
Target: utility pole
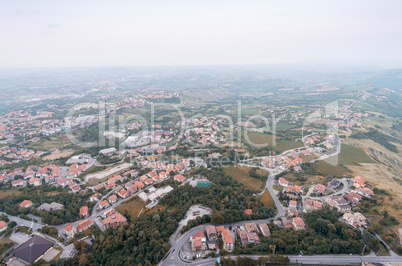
(274, 249)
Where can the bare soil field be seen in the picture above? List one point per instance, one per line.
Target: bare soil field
(58, 155)
(108, 172)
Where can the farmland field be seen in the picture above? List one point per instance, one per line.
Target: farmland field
(241, 175)
(132, 207)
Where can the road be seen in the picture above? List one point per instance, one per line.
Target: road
(24, 222)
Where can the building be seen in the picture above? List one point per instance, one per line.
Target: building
(70, 231)
(227, 240)
(248, 211)
(32, 250)
(112, 199)
(108, 151)
(34, 181)
(17, 183)
(298, 223)
(198, 241)
(264, 230)
(333, 184)
(211, 232)
(319, 189)
(113, 219)
(84, 225)
(339, 203)
(139, 184)
(179, 178)
(250, 227)
(352, 197)
(312, 205)
(94, 197)
(84, 212)
(293, 203)
(358, 182)
(365, 192)
(26, 204)
(3, 226)
(103, 204)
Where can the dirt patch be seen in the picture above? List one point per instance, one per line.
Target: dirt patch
(382, 177)
(58, 155)
(266, 198)
(241, 175)
(108, 172)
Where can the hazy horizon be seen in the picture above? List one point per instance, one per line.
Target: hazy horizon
(179, 33)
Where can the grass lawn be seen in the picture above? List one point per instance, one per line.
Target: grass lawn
(5, 244)
(132, 207)
(157, 208)
(9, 192)
(349, 155)
(241, 175)
(266, 198)
(276, 143)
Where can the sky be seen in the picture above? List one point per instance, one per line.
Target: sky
(134, 33)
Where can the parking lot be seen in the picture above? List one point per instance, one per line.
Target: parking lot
(19, 237)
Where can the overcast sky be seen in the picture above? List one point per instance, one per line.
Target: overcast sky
(129, 33)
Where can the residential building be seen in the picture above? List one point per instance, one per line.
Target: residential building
(179, 178)
(112, 199)
(25, 204)
(250, 227)
(358, 182)
(3, 226)
(298, 223)
(113, 219)
(198, 241)
(211, 232)
(319, 189)
(227, 240)
(70, 231)
(103, 204)
(84, 225)
(84, 212)
(264, 230)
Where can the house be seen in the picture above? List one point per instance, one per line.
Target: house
(110, 186)
(3, 226)
(292, 212)
(84, 212)
(112, 199)
(75, 188)
(25, 204)
(264, 230)
(298, 223)
(219, 229)
(94, 197)
(113, 219)
(253, 238)
(248, 211)
(198, 241)
(103, 204)
(350, 219)
(70, 231)
(313, 205)
(227, 240)
(17, 183)
(365, 192)
(293, 203)
(294, 189)
(100, 186)
(352, 198)
(250, 227)
(319, 189)
(283, 182)
(211, 232)
(148, 181)
(84, 225)
(123, 193)
(34, 181)
(131, 188)
(179, 178)
(139, 185)
(358, 182)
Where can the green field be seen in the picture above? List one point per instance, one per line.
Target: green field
(241, 175)
(132, 207)
(276, 143)
(335, 165)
